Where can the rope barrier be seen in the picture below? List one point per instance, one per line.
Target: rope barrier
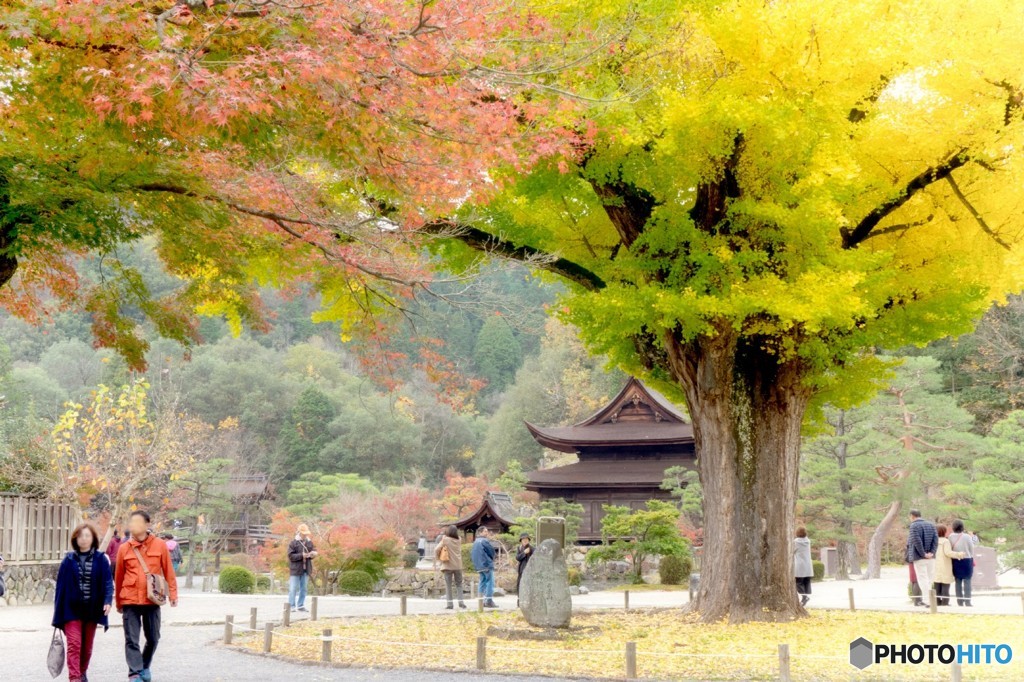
(430, 645)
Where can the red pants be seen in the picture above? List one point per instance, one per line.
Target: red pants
(79, 638)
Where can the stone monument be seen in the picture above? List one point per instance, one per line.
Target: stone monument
(544, 592)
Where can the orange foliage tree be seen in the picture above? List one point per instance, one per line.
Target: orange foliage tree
(461, 495)
(340, 547)
(257, 143)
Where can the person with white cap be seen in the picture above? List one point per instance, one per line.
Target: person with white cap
(301, 553)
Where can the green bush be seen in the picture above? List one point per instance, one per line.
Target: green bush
(467, 560)
(358, 583)
(236, 580)
(409, 559)
(675, 569)
(263, 583)
(575, 576)
(819, 570)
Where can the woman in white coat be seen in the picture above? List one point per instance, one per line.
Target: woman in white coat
(944, 556)
(802, 567)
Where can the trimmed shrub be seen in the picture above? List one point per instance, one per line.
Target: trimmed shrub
(467, 560)
(575, 576)
(263, 583)
(236, 580)
(409, 559)
(675, 569)
(819, 570)
(358, 583)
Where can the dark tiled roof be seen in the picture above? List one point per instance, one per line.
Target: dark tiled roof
(637, 416)
(606, 473)
(495, 504)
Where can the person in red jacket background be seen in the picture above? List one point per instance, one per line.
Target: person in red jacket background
(137, 611)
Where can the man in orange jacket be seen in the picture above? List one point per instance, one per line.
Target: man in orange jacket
(137, 611)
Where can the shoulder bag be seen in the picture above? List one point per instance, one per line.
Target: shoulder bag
(156, 585)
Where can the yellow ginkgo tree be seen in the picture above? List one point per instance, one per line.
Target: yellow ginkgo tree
(113, 452)
(767, 193)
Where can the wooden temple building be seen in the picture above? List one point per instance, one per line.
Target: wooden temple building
(623, 450)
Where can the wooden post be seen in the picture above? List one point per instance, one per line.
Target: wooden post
(1022, 600)
(404, 602)
(268, 637)
(286, 615)
(472, 589)
(252, 618)
(480, 605)
(325, 650)
(630, 660)
(956, 673)
(784, 660)
(229, 628)
(852, 606)
(933, 602)
(625, 595)
(481, 653)
(206, 583)
(312, 610)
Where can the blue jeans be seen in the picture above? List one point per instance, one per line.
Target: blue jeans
(297, 587)
(487, 584)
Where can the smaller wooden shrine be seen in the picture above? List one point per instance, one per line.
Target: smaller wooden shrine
(623, 449)
(496, 513)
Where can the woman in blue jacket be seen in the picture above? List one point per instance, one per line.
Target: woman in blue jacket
(85, 590)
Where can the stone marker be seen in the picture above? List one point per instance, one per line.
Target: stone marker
(544, 598)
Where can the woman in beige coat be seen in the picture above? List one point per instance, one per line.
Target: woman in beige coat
(449, 554)
(944, 556)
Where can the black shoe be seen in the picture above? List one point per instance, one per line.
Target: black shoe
(804, 599)
(303, 609)
(462, 605)
(489, 604)
(449, 606)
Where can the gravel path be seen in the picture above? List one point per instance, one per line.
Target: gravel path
(189, 652)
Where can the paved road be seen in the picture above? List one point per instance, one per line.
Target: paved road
(187, 653)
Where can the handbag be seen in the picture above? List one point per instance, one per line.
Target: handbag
(444, 555)
(156, 585)
(55, 657)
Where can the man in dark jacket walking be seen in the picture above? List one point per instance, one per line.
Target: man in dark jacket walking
(301, 553)
(483, 561)
(922, 541)
(523, 555)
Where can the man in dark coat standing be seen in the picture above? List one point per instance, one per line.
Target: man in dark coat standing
(523, 555)
(922, 541)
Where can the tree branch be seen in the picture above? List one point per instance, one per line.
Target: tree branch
(974, 213)
(863, 229)
(486, 242)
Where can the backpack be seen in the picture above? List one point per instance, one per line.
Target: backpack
(444, 555)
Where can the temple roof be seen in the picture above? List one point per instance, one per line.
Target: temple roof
(638, 415)
(606, 473)
(495, 504)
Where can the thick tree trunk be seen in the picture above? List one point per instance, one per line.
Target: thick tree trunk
(747, 411)
(878, 539)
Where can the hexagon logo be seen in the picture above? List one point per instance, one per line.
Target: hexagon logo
(861, 653)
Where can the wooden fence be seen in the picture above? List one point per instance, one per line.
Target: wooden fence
(35, 531)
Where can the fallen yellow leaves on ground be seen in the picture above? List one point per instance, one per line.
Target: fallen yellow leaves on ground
(670, 645)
